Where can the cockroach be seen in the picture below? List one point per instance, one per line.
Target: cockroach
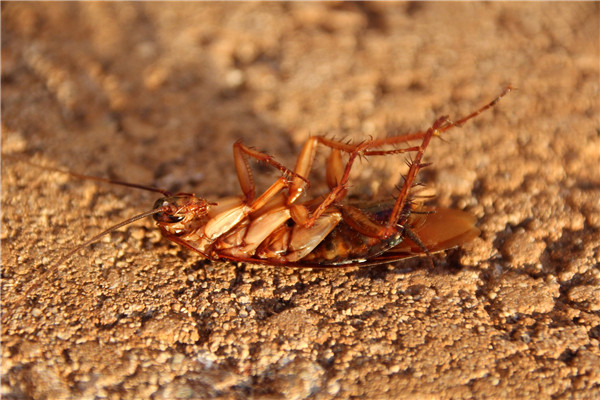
(281, 228)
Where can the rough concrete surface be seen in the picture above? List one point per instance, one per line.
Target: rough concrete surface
(157, 93)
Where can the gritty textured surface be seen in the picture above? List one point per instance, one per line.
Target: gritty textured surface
(157, 93)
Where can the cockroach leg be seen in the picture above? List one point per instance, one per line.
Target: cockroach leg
(338, 192)
(268, 194)
(334, 169)
(338, 182)
(402, 198)
(306, 158)
(337, 175)
(241, 153)
(250, 204)
(440, 126)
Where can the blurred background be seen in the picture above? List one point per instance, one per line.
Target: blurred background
(157, 93)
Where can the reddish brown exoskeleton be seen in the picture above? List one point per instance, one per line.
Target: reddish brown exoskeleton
(280, 228)
(277, 228)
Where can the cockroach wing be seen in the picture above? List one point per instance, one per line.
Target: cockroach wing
(443, 229)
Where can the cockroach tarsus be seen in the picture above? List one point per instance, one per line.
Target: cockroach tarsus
(278, 228)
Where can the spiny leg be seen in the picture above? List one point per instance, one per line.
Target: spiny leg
(337, 182)
(305, 161)
(241, 153)
(338, 192)
(335, 168)
(441, 125)
(449, 124)
(334, 163)
(354, 216)
(415, 166)
(491, 104)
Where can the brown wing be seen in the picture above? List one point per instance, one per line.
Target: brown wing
(444, 229)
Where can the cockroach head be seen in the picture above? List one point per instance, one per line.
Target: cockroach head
(181, 207)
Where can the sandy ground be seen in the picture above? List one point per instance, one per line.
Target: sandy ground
(157, 93)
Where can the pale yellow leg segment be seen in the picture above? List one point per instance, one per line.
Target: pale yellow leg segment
(241, 153)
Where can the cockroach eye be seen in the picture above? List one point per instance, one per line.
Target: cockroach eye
(165, 217)
(171, 218)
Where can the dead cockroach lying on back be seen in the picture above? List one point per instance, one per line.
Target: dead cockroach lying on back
(280, 228)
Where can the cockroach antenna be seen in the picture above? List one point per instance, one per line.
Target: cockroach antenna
(87, 177)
